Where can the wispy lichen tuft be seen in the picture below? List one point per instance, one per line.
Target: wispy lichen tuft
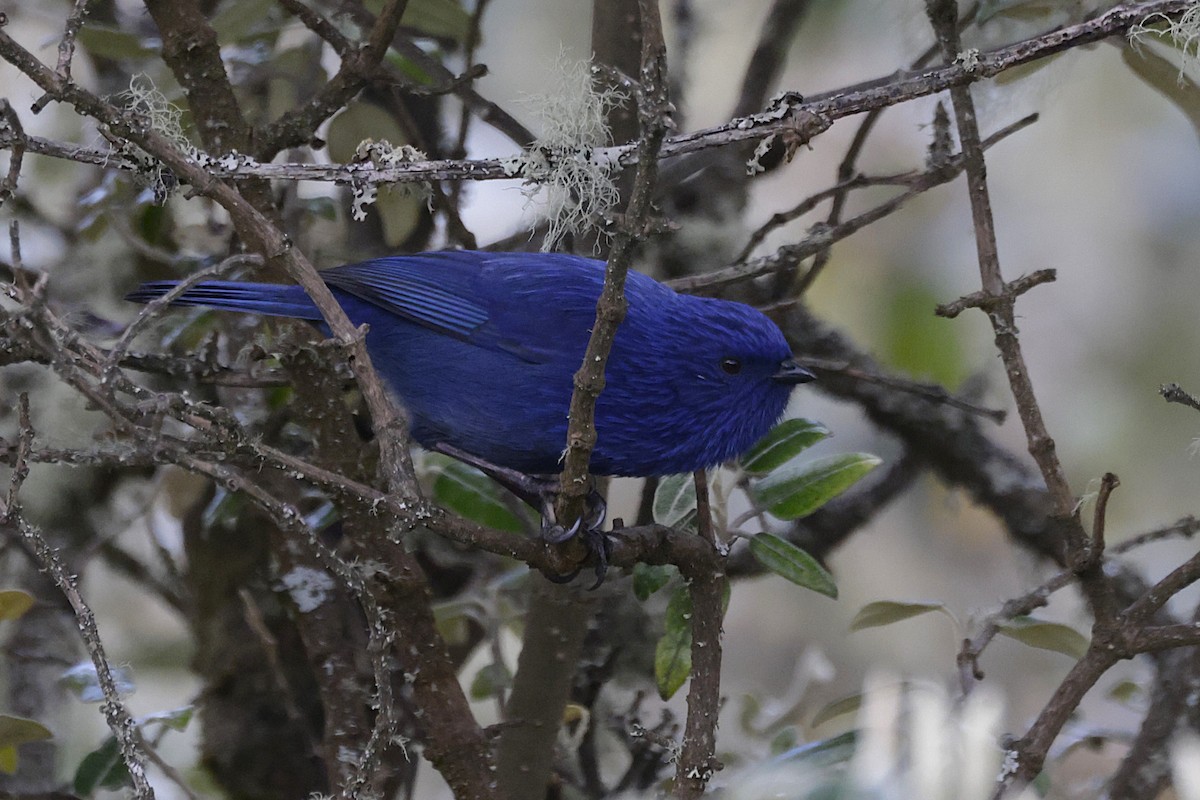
(1183, 34)
(145, 100)
(562, 171)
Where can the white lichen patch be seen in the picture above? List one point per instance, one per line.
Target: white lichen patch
(383, 153)
(563, 173)
(307, 587)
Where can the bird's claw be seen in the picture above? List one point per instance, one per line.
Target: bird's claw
(598, 542)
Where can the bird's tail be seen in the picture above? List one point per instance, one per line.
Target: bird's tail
(273, 299)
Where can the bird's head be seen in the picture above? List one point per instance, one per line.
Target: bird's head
(721, 373)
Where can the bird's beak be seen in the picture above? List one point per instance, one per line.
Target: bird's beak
(791, 372)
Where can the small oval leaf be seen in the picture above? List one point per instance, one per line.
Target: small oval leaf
(673, 655)
(83, 681)
(1046, 636)
(469, 493)
(19, 730)
(176, 719)
(14, 603)
(839, 707)
(101, 769)
(675, 502)
(8, 760)
(798, 489)
(649, 578)
(1127, 691)
(823, 753)
(789, 561)
(490, 681)
(886, 612)
(783, 443)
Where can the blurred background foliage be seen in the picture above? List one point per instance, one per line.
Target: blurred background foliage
(1102, 189)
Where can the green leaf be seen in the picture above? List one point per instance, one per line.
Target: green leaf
(673, 655)
(102, 768)
(787, 739)
(789, 561)
(798, 489)
(839, 707)
(1126, 691)
(785, 441)
(239, 20)
(649, 578)
(916, 341)
(887, 612)
(441, 19)
(83, 681)
(1046, 636)
(19, 730)
(106, 41)
(825, 752)
(469, 493)
(14, 603)
(177, 719)
(675, 502)
(490, 681)
(8, 760)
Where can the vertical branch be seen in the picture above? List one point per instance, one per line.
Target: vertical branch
(555, 628)
(943, 14)
(557, 621)
(706, 585)
(653, 108)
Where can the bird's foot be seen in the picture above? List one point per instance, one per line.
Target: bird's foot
(599, 543)
(539, 492)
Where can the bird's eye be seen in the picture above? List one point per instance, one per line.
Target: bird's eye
(731, 366)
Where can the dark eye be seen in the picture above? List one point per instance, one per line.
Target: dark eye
(731, 366)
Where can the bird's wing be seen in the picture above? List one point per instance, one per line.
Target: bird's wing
(429, 289)
(538, 307)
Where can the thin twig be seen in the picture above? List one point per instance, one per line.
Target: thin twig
(13, 134)
(944, 16)
(807, 117)
(1174, 393)
(66, 48)
(120, 722)
(821, 237)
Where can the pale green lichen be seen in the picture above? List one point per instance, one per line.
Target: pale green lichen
(143, 99)
(563, 174)
(1183, 34)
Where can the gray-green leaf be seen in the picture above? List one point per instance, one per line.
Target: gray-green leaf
(14, 603)
(675, 502)
(837, 708)
(673, 655)
(783, 443)
(1046, 636)
(468, 492)
(886, 612)
(789, 561)
(798, 489)
(649, 578)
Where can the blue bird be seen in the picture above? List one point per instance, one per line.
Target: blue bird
(481, 349)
